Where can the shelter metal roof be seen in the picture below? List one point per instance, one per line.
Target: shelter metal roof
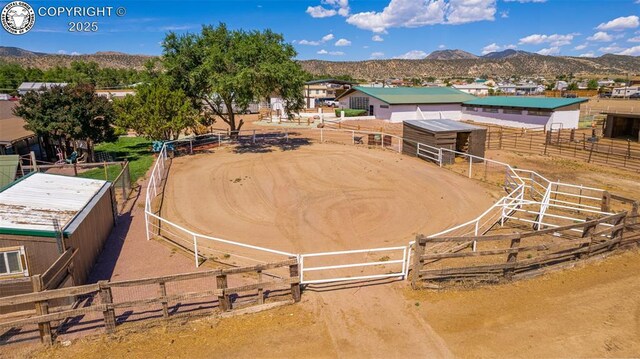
(443, 125)
(29, 206)
(546, 103)
(413, 95)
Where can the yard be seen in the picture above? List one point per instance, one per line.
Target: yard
(134, 149)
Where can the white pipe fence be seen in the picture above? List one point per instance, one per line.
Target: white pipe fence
(517, 181)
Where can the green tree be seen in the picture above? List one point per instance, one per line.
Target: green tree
(592, 84)
(156, 110)
(572, 86)
(228, 69)
(68, 113)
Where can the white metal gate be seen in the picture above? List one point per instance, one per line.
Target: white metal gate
(350, 265)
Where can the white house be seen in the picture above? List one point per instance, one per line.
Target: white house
(509, 89)
(405, 103)
(524, 112)
(624, 91)
(476, 89)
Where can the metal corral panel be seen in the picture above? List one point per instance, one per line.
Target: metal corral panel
(29, 206)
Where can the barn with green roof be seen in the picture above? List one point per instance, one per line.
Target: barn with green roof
(406, 103)
(527, 112)
(428, 103)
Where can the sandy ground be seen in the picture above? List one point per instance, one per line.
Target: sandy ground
(318, 198)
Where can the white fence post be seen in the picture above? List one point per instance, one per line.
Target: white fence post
(146, 221)
(382, 139)
(195, 250)
(341, 115)
(470, 164)
(440, 156)
(353, 137)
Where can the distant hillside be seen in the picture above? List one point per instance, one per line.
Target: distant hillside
(16, 51)
(521, 65)
(40, 60)
(450, 55)
(506, 54)
(504, 63)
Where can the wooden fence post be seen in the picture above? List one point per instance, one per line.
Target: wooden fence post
(616, 235)
(634, 212)
(109, 313)
(294, 272)
(42, 308)
(512, 258)
(418, 262)
(260, 289)
(163, 299)
(605, 206)
(224, 300)
(587, 231)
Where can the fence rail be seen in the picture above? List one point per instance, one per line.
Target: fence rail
(501, 256)
(106, 297)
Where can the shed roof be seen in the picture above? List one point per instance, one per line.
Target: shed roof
(443, 125)
(413, 95)
(28, 206)
(546, 103)
(11, 126)
(331, 81)
(37, 86)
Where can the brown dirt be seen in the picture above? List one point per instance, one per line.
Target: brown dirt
(592, 311)
(318, 198)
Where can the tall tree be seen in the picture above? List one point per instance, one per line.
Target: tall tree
(156, 110)
(592, 84)
(222, 71)
(68, 113)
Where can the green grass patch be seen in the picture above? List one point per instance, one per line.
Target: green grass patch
(136, 150)
(348, 112)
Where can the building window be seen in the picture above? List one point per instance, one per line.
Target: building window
(489, 109)
(384, 106)
(12, 261)
(512, 112)
(359, 103)
(539, 113)
(471, 109)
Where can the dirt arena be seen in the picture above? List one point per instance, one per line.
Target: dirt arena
(321, 197)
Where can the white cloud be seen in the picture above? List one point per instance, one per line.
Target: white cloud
(621, 23)
(580, 47)
(336, 7)
(634, 39)
(633, 51)
(343, 42)
(588, 54)
(324, 39)
(61, 52)
(441, 46)
(377, 38)
(495, 47)
(550, 51)
(310, 43)
(75, 53)
(554, 40)
(412, 13)
(600, 36)
(412, 55)
(504, 14)
(377, 55)
(320, 12)
(327, 37)
(611, 49)
(332, 53)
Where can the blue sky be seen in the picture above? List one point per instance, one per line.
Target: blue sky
(355, 29)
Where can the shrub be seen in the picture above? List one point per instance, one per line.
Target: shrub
(348, 112)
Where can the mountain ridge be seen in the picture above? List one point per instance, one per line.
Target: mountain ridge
(504, 63)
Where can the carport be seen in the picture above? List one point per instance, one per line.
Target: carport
(622, 125)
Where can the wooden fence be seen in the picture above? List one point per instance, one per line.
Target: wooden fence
(574, 144)
(102, 299)
(518, 255)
